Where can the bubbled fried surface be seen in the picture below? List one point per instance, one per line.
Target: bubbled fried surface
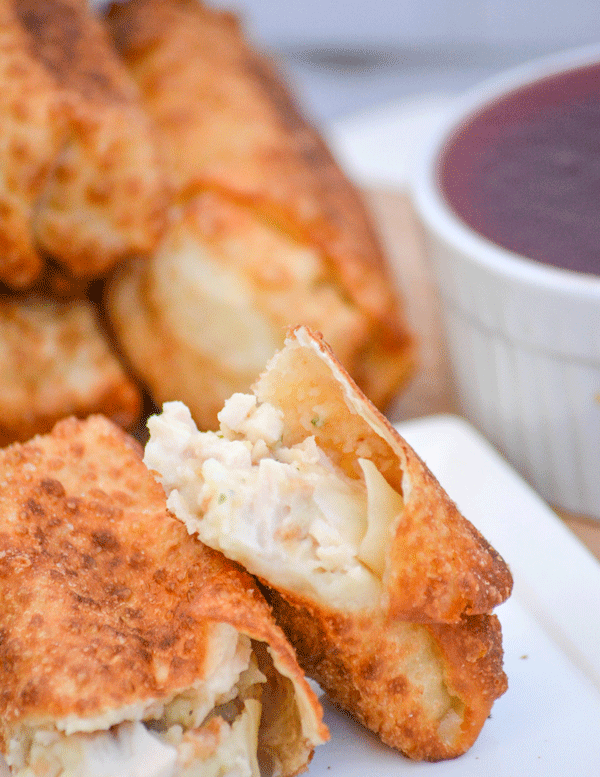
(32, 132)
(57, 362)
(80, 177)
(68, 43)
(400, 679)
(106, 599)
(227, 123)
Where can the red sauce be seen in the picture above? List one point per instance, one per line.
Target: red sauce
(525, 171)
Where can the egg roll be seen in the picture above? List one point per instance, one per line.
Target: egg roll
(271, 230)
(80, 177)
(382, 585)
(57, 361)
(128, 647)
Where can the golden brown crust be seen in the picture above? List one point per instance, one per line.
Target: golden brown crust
(441, 567)
(76, 512)
(106, 598)
(228, 124)
(389, 675)
(200, 317)
(423, 668)
(56, 361)
(473, 665)
(32, 130)
(69, 45)
(408, 644)
(438, 567)
(81, 172)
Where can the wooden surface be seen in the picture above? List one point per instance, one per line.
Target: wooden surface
(431, 391)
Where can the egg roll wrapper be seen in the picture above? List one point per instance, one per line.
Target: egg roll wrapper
(109, 605)
(227, 123)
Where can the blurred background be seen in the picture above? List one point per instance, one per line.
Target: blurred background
(346, 57)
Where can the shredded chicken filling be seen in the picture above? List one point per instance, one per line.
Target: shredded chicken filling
(288, 514)
(180, 738)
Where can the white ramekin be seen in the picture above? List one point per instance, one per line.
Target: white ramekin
(523, 337)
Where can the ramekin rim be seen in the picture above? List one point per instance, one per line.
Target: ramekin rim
(438, 216)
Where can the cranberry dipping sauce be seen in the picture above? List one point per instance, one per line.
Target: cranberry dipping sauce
(507, 190)
(524, 171)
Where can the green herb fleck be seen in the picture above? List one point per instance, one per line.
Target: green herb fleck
(221, 498)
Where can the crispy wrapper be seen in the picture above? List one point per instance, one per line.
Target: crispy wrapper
(424, 689)
(438, 567)
(79, 172)
(113, 617)
(199, 319)
(385, 589)
(233, 136)
(56, 361)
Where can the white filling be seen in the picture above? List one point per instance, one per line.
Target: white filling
(288, 514)
(211, 307)
(128, 749)
(210, 731)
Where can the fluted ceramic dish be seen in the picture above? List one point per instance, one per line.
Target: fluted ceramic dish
(523, 337)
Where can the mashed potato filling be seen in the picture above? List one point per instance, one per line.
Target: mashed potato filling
(205, 731)
(287, 514)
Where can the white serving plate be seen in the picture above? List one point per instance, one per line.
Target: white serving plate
(548, 722)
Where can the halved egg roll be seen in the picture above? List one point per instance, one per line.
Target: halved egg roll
(385, 589)
(128, 647)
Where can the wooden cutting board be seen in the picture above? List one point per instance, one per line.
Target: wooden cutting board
(431, 390)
